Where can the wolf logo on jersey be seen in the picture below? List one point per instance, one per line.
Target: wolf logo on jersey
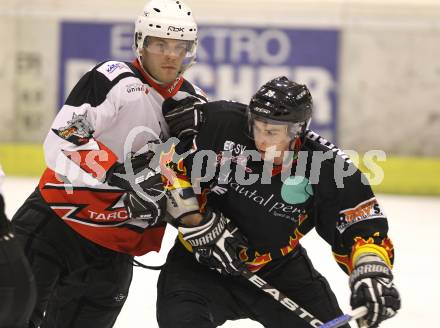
(78, 130)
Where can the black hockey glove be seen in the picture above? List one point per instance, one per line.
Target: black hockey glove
(17, 286)
(150, 211)
(183, 116)
(140, 177)
(216, 243)
(5, 225)
(371, 284)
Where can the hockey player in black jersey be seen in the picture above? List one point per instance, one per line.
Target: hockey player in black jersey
(86, 219)
(17, 286)
(265, 181)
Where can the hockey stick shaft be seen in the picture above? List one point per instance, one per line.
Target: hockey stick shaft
(345, 318)
(282, 299)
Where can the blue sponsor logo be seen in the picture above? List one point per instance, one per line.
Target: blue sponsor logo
(113, 67)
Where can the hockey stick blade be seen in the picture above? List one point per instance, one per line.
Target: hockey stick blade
(282, 299)
(345, 318)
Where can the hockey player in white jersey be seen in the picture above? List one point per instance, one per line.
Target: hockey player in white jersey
(80, 228)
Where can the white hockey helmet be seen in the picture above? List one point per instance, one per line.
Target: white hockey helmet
(170, 19)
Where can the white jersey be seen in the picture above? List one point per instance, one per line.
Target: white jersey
(113, 112)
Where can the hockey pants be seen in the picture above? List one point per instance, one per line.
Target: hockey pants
(79, 283)
(193, 296)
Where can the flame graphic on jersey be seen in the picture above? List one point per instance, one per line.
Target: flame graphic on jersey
(293, 242)
(174, 174)
(165, 161)
(359, 241)
(345, 261)
(301, 219)
(385, 243)
(389, 247)
(258, 262)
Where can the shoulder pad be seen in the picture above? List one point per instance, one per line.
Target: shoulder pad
(188, 88)
(224, 105)
(94, 86)
(113, 69)
(317, 142)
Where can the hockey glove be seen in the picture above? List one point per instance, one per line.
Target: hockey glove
(151, 212)
(134, 174)
(371, 284)
(183, 116)
(5, 225)
(216, 243)
(180, 203)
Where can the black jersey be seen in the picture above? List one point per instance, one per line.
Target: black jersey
(274, 206)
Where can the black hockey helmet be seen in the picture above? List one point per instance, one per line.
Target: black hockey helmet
(282, 101)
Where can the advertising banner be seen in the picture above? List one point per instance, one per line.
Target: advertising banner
(232, 61)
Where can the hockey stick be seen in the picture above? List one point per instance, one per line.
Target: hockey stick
(345, 318)
(282, 299)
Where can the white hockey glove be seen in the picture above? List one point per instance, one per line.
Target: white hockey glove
(183, 116)
(180, 203)
(216, 243)
(371, 284)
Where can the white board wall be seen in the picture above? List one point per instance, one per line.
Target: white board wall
(389, 79)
